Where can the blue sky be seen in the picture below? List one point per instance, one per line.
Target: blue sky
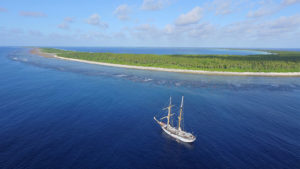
(189, 23)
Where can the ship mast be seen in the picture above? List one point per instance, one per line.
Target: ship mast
(180, 114)
(169, 111)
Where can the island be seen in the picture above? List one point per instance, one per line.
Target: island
(277, 63)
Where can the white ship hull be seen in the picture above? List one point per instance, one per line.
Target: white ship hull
(190, 140)
(177, 134)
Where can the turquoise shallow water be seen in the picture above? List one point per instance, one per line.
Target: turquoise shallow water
(164, 50)
(62, 114)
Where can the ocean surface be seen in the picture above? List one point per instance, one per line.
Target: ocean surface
(57, 114)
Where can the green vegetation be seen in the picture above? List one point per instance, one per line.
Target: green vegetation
(279, 61)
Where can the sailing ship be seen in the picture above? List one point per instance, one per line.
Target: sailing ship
(176, 132)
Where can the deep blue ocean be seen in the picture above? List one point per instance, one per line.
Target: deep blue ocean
(57, 114)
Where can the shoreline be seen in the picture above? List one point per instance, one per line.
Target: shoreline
(37, 51)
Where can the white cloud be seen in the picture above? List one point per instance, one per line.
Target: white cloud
(248, 32)
(154, 5)
(146, 32)
(92, 35)
(35, 33)
(2, 9)
(169, 29)
(11, 31)
(263, 11)
(122, 12)
(265, 8)
(202, 30)
(60, 37)
(119, 35)
(95, 20)
(191, 17)
(270, 7)
(32, 14)
(171, 32)
(222, 7)
(69, 20)
(279, 27)
(290, 2)
(63, 25)
(16, 31)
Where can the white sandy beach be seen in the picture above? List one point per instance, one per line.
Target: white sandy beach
(287, 74)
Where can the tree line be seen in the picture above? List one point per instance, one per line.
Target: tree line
(278, 61)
